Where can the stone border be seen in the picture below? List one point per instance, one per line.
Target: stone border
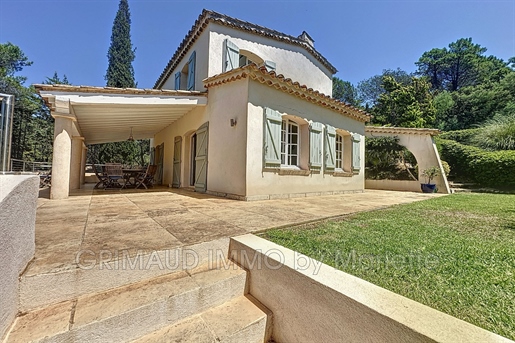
(313, 302)
(279, 196)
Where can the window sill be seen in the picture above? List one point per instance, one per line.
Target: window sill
(341, 173)
(292, 171)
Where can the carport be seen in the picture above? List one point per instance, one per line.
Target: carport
(91, 115)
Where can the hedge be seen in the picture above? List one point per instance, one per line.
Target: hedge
(487, 168)
(460, 136)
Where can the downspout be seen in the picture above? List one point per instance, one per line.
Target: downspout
(6, 127)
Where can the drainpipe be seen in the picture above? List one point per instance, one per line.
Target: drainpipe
(6, 127)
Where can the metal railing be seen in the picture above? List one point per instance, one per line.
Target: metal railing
(29, 166)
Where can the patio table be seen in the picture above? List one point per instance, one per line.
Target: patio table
(131, 174)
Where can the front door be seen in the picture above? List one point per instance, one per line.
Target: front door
(201, 158)
(176, 178)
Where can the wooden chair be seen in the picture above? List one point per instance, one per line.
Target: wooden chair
(146, 179)
(101, 175)
(45, 179)
(114, 174)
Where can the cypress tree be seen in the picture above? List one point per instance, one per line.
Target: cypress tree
(120, 72)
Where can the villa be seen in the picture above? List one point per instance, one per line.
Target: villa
(240, 111)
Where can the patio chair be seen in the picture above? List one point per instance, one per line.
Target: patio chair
(114, 174)
(101, 175)
(45, 179)
(146, 179)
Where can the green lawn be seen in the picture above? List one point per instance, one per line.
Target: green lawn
(454, 253)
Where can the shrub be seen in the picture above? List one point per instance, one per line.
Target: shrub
(461, 136)
(497, 134)
(446, 168)
(487, 168)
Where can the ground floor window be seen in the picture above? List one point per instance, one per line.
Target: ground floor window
(339, 152)
(289, 143)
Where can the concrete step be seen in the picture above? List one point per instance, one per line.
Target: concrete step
(241, 319)
(129, 312)
(104, 270)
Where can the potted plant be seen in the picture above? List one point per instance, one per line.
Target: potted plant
(430, 173)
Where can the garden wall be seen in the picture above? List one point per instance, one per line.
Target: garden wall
(18, 201)
(317, 303)
(394, 185)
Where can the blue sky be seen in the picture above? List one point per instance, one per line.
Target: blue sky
(360, 38)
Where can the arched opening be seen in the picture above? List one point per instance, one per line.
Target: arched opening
(248, 57)
(386, 159)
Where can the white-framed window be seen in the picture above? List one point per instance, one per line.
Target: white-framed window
(339, 152)
(290, 143)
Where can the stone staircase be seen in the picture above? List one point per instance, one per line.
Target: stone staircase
(203, 305)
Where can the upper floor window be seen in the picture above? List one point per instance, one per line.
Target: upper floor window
(234, 57)
(185, 79)
(289, 143)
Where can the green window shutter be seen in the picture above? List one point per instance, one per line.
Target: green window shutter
(356, 152)
(269, 65)
(191, 71)
(272, 139)
(315, 145)
(330, 147)
(231, 56)
(178, 80)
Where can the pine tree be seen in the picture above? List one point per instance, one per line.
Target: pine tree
(120, 72)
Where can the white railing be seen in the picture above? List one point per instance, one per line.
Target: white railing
(29, 166)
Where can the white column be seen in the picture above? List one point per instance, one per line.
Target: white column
(61, 157)
(83, 164)
(76, 162)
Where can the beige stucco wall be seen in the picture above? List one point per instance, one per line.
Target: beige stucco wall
(227, 148)
(292, 61)
(226, 144)
(201, 46)
(393, 185)
(18, 201)
(313, 302)
(261, 182)
(183, 127)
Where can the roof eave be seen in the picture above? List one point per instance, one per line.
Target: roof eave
(286, 85)
(208, 16)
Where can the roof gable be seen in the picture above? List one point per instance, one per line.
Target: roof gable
(286, 85)
(208, 16)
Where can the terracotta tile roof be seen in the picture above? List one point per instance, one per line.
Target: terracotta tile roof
(113, 90)
(208, 16)
(286, 85)
(401, 130)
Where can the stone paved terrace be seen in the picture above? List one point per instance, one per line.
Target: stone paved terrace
(164, 218)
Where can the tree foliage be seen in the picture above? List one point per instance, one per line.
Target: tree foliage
(407, 105)
(385, 158)
(120, 72)
(461, 64)
(56, 80)
(346, 92)
(30, 129)
(370, 89)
